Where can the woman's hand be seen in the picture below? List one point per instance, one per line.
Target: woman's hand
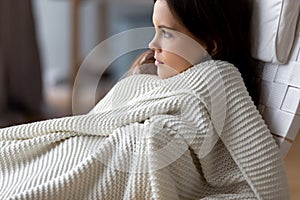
(144, 64)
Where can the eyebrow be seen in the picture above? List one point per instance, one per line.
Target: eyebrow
(167, 27)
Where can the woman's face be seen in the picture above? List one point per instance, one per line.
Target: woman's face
(176, 49)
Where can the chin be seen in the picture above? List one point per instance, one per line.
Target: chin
(163, 74)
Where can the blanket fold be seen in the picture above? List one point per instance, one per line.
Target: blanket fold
(196, 135)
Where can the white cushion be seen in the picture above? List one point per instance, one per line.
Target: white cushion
(274, 25)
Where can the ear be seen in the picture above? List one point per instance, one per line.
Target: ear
(215, 48)
(211, 46)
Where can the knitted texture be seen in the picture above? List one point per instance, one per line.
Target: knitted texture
(196, 135)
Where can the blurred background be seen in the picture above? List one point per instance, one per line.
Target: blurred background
(44, 42)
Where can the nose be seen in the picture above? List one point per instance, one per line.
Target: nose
(154, 44)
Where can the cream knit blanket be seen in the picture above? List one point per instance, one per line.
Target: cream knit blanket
(150, 138)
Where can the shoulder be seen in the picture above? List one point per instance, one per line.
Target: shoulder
(213, 68)
(209, 75)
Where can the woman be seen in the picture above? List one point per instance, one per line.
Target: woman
(192, 132)
(214, 25)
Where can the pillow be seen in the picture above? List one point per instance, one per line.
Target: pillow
(273, 29)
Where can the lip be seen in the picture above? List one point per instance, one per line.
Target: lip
(158, 62)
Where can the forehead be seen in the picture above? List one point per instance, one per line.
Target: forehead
(162, 15)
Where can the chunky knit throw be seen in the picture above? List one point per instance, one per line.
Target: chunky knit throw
(196, 135)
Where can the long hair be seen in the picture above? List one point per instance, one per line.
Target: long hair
(224, 27)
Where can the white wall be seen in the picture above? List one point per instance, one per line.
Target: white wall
(52, 19)
(54, 25)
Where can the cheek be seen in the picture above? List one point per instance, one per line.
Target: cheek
(175, 62)
(183, 51)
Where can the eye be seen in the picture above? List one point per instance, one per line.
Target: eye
(166, 34)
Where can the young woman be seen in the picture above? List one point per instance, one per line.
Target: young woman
(189, 132)
(221, 28)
